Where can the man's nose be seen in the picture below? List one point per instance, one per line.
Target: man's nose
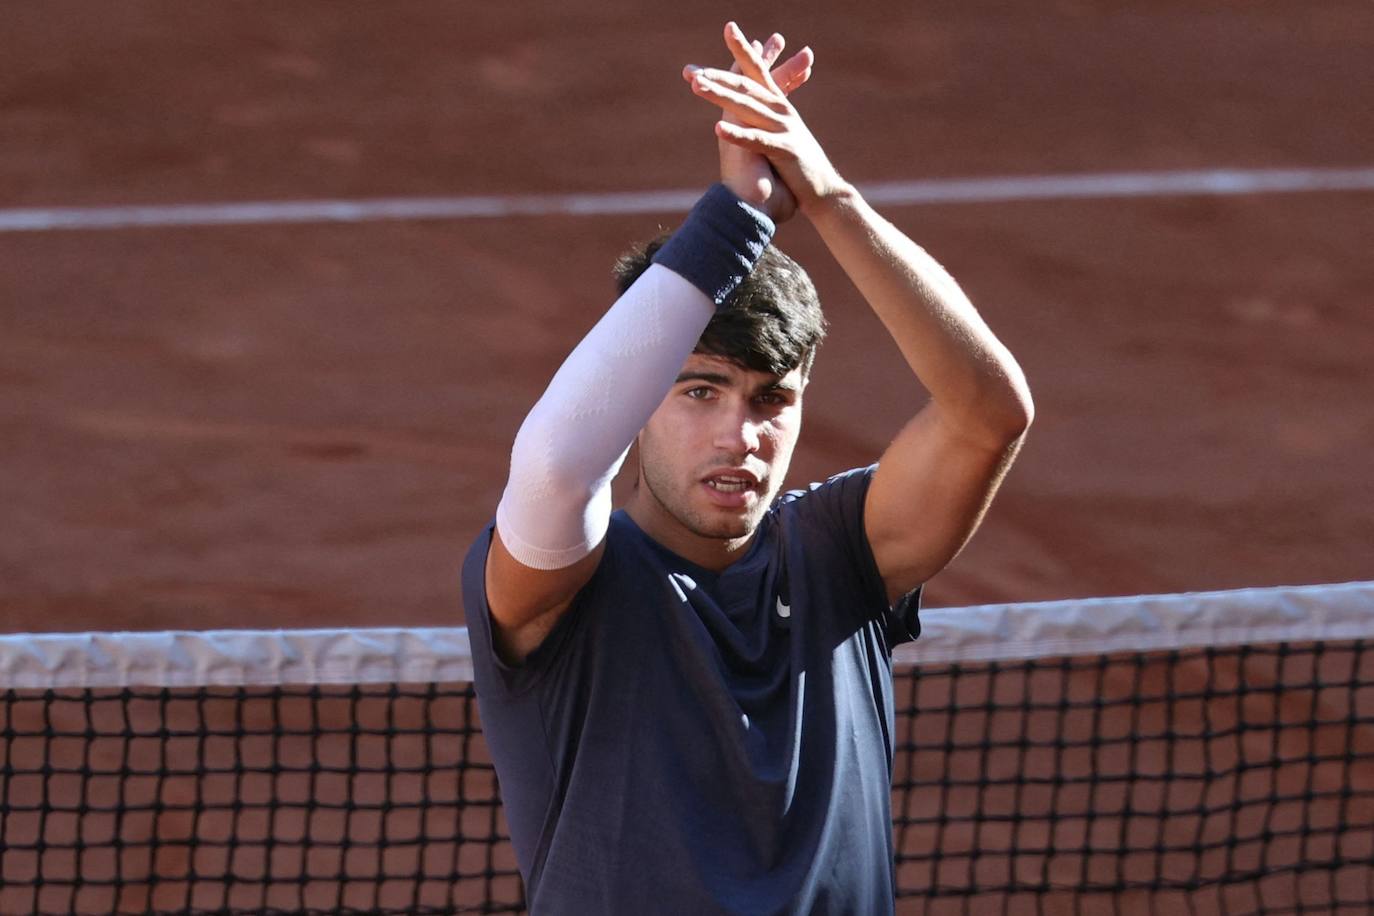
(738, 432)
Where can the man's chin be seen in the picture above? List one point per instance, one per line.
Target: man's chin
(728, 529)
(735, 533)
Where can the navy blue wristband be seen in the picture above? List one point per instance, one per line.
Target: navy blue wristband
(718, 244)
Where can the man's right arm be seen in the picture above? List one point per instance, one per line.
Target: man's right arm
(553, 515)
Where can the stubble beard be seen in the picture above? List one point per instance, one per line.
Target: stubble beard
(688, 516)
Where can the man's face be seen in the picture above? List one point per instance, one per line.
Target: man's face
(715, 452)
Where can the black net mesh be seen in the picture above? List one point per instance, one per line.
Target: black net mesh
(366, 799)
(1226, 780)
(1233, 780)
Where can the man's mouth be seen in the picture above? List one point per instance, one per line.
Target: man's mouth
(733, 488)
(730, 484)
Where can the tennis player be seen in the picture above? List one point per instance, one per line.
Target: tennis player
(688, 701)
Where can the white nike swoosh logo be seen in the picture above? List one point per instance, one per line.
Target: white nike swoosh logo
(783, 610)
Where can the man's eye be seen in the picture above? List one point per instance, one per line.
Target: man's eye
(699, 394)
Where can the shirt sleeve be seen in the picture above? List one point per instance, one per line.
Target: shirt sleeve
(492, 675)
(837, 505)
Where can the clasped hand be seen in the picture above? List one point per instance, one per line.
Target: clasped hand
(768, 156)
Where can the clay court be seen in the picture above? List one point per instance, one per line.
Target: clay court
(303, 424)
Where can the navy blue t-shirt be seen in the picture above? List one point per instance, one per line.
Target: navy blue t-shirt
(694, 742)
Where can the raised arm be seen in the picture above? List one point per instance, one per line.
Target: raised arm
(552, 518)
(936, 479)
(553, 515)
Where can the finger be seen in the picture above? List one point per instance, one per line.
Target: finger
(750, 64)
(767, 106)
(795, 71)
(758, 49)
(740, 83)
(798, 81)
(761, 50)
(771, 49)
(762, 142)
(768, 51)
(740, 105)
(747, 54)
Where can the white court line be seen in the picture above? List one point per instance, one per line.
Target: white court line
(890, 193)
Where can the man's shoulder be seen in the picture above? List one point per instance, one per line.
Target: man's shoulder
(827, 518)
(845, 488)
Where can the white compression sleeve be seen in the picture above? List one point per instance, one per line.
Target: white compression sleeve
(557, 502)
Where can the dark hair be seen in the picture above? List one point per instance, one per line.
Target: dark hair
(773, 323)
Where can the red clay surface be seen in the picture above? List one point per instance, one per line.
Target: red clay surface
(305, 425)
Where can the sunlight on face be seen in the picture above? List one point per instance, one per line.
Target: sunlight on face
(715, 452)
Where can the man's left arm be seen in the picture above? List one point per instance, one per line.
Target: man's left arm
(937, 478)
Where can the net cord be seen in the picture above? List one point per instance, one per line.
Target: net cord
(992, 632)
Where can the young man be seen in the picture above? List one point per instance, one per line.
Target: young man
(688, 701)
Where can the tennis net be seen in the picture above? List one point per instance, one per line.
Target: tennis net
(1212, 752)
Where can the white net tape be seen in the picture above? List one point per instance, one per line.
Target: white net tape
(187, 658)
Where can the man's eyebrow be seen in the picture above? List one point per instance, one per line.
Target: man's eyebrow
(781, 385)
(715, 378)
(720, 378)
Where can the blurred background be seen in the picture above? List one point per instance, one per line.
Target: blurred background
(290, 424)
